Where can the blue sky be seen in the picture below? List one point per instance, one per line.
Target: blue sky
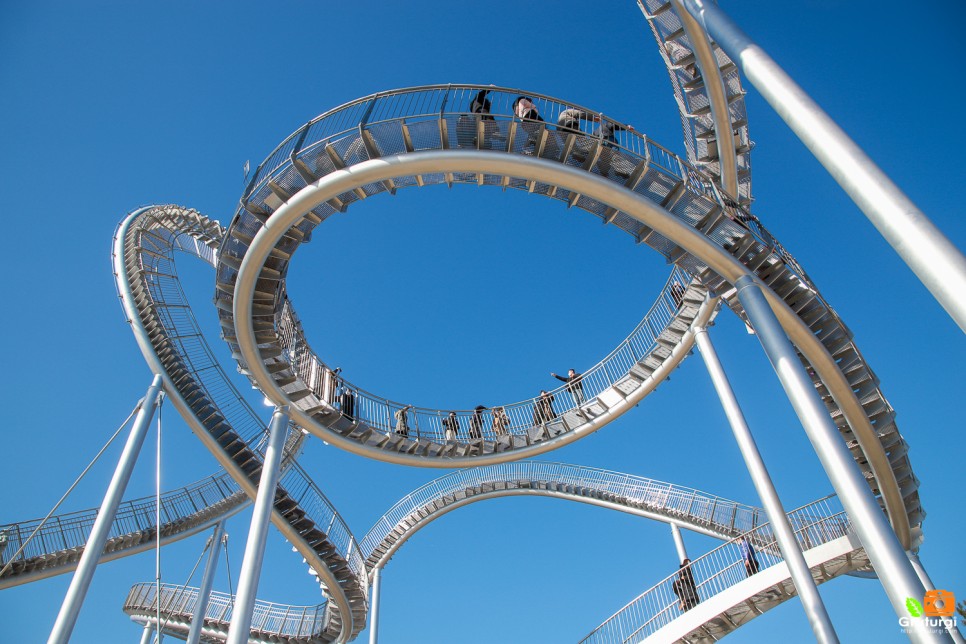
(454, 297)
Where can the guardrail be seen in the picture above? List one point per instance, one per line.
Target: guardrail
(499, 424)
(178, 603)
(67, 531)
(814, 524)
(720, 514)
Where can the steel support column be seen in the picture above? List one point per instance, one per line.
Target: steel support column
(70, 609)
(207, 580)
(374, 606)
(869, 522)
(678, 542)
(818, 617)
(258, 532)
(146, 634)
(932, 257)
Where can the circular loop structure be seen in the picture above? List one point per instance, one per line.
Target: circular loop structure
(430, 135)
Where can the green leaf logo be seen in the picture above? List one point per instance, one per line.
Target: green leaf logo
(914, 607)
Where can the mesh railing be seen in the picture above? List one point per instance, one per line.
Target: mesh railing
(719, 515)
(178, 604)
(817, 523)
(168, 302)
(563, 407)
(68, 531)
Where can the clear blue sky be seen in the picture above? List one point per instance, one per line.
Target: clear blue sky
(454, 297)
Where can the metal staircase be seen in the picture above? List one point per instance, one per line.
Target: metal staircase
(172, 342)
(59, 544)
(729, 596)
(408, 121)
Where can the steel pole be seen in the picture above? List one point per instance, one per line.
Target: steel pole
(258, 532)
(146, 634)
(374, 606)
(207, 581)
(935, 260)
(928, 583)
(679, 542)
(76, 592)
(818, 616)
(889, 559)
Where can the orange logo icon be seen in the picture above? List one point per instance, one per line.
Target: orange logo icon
(939, 603)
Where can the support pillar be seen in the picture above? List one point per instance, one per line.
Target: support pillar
(258, 532)
(928, 583)
(374, 606)
(679, 542)
(207, 581)
(146, 634)
(926, 250)
(870, 524)
(70, 609)
(815, 610)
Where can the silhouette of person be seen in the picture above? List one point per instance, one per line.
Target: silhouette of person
(575, 386)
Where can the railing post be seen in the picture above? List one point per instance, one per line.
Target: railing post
(207, 580)
(258, 532)
(895, 571)
(374, 606)
(815, 610)
(81, 581)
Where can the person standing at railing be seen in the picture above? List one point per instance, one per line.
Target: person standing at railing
(402, 421)
(677, 293)
(347, 401)
(501, 422)
(575, 386)
(543, 411)
(4, 539)
(748, 556)
(524, 109)
(476, 422)
(685, 588)
(451, 426)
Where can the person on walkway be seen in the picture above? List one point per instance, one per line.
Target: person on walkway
(402, 421)
(748, 556)
(348, 403)
(501, 422)
(481, 105)
(685, 588)
(524, 109)
(451, 426)
(543, 409)
(575, 386)
(476, 422)
(677, 293)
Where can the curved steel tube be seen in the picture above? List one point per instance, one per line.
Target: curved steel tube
(650, 214)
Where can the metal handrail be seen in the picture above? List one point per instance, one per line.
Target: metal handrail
(71, 530)
(179, 602)
(450, 102)
(521, 417)
(167, 230)
(723, 515)
(814, 524)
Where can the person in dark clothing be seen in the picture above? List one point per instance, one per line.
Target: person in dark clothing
(748, 556)
(685, 588)
(524, 108)
(348, 403)
(481, 105)
(543, 409)
(451, 426)
(575, 386)
(476, 422)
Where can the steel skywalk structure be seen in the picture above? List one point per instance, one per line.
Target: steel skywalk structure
(693, 210)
